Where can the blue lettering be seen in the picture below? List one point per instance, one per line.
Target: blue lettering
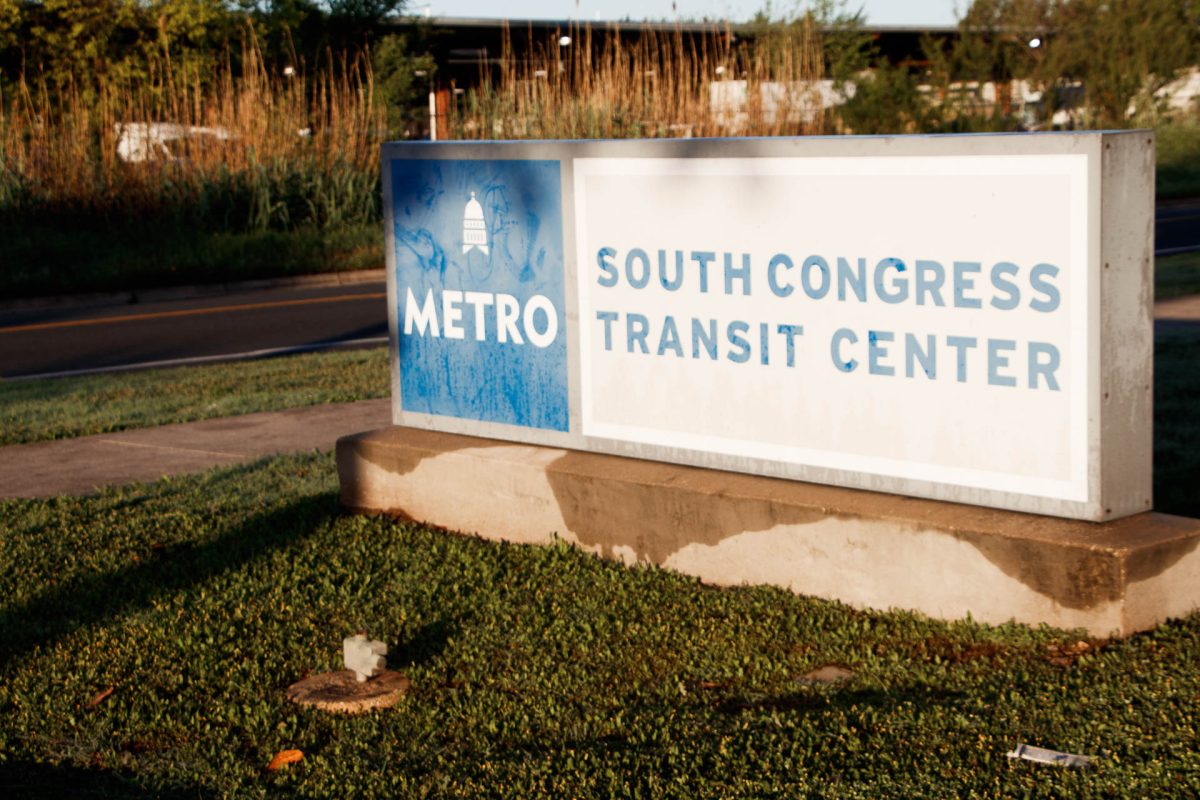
(805, 281)
(964, 282)
(877, 350)
(998, 361)
(735, 333)
(636, 329)
(733, 273)
(791, 332)
(669, 340)
(608, 318)
(1046, 368)
(779, 260)
(1039, 284)
(931, 286)
(1002, 284)
(609, 275)
(858, 283)
(927, 356)
(637, 254)
(900, 286)
(702, 259)
(961, 345)
(835, 350)
(672, 285)
(708, 337)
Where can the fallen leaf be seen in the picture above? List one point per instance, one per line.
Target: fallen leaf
(283, 758)
(100, 697)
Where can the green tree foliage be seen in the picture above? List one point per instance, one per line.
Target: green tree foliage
(82, 39)
(1122, 51)
(887, 100)
(1117, 52)
(10, 22)
(402, 80)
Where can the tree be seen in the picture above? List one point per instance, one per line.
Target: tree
(1122, 51)
(79, 40)
(402, 78)
(1119, 51)
(10, 22)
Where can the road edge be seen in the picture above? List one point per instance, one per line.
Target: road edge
(191, 292)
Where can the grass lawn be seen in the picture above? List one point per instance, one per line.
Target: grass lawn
(538, 672)
(1176, 276)
(59, 408)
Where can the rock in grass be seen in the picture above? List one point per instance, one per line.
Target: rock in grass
(342, 692)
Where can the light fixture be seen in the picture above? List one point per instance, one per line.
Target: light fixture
(564, 41)
(1035, 43)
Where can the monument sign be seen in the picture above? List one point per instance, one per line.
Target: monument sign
(961, 318)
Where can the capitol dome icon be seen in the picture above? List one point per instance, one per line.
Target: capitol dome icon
(474, 229)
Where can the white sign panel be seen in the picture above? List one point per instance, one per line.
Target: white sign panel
(919, 317)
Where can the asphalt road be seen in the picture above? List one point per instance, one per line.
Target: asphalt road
(266, 322)
(1177, 229)
(71, 340)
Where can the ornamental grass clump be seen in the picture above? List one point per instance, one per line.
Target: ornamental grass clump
(652, 85)
(232, 149)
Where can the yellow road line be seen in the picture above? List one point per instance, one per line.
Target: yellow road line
(191, 312)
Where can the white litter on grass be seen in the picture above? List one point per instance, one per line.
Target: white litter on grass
(364, 657)
(1043, 756)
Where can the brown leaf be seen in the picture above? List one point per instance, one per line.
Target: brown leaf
(283, 758)
(100, 697)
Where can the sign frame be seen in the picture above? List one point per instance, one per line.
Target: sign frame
(1115, 478)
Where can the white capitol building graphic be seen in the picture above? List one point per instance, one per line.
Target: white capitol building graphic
(474, 230)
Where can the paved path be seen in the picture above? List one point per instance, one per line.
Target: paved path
(80, 466)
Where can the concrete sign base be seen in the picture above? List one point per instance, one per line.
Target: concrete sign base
(863, 548)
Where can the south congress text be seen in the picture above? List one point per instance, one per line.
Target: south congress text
(794, 284)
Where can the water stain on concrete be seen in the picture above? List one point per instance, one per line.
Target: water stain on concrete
(618, 506)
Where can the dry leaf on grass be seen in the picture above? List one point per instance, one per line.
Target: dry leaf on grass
(283, 758)
(100, 697)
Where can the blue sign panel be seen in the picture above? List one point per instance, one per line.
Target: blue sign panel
(479, 279)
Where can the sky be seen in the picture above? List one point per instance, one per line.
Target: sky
(878, 12)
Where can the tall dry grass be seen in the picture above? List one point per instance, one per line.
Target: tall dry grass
(281, 150)
(655, 85)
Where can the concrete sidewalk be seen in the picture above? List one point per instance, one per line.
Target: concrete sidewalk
(82, 465)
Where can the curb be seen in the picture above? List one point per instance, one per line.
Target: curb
(123, 298)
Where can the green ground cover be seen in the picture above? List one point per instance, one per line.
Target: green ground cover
(1176, 276)
(537, 671)
(58, 259)
(59, 408)
(1178, 160)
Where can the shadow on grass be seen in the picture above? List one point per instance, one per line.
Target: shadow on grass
(90, 599)
(27, 779)
(423, 646)
(829, 698)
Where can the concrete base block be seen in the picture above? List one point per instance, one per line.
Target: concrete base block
(862, 548)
